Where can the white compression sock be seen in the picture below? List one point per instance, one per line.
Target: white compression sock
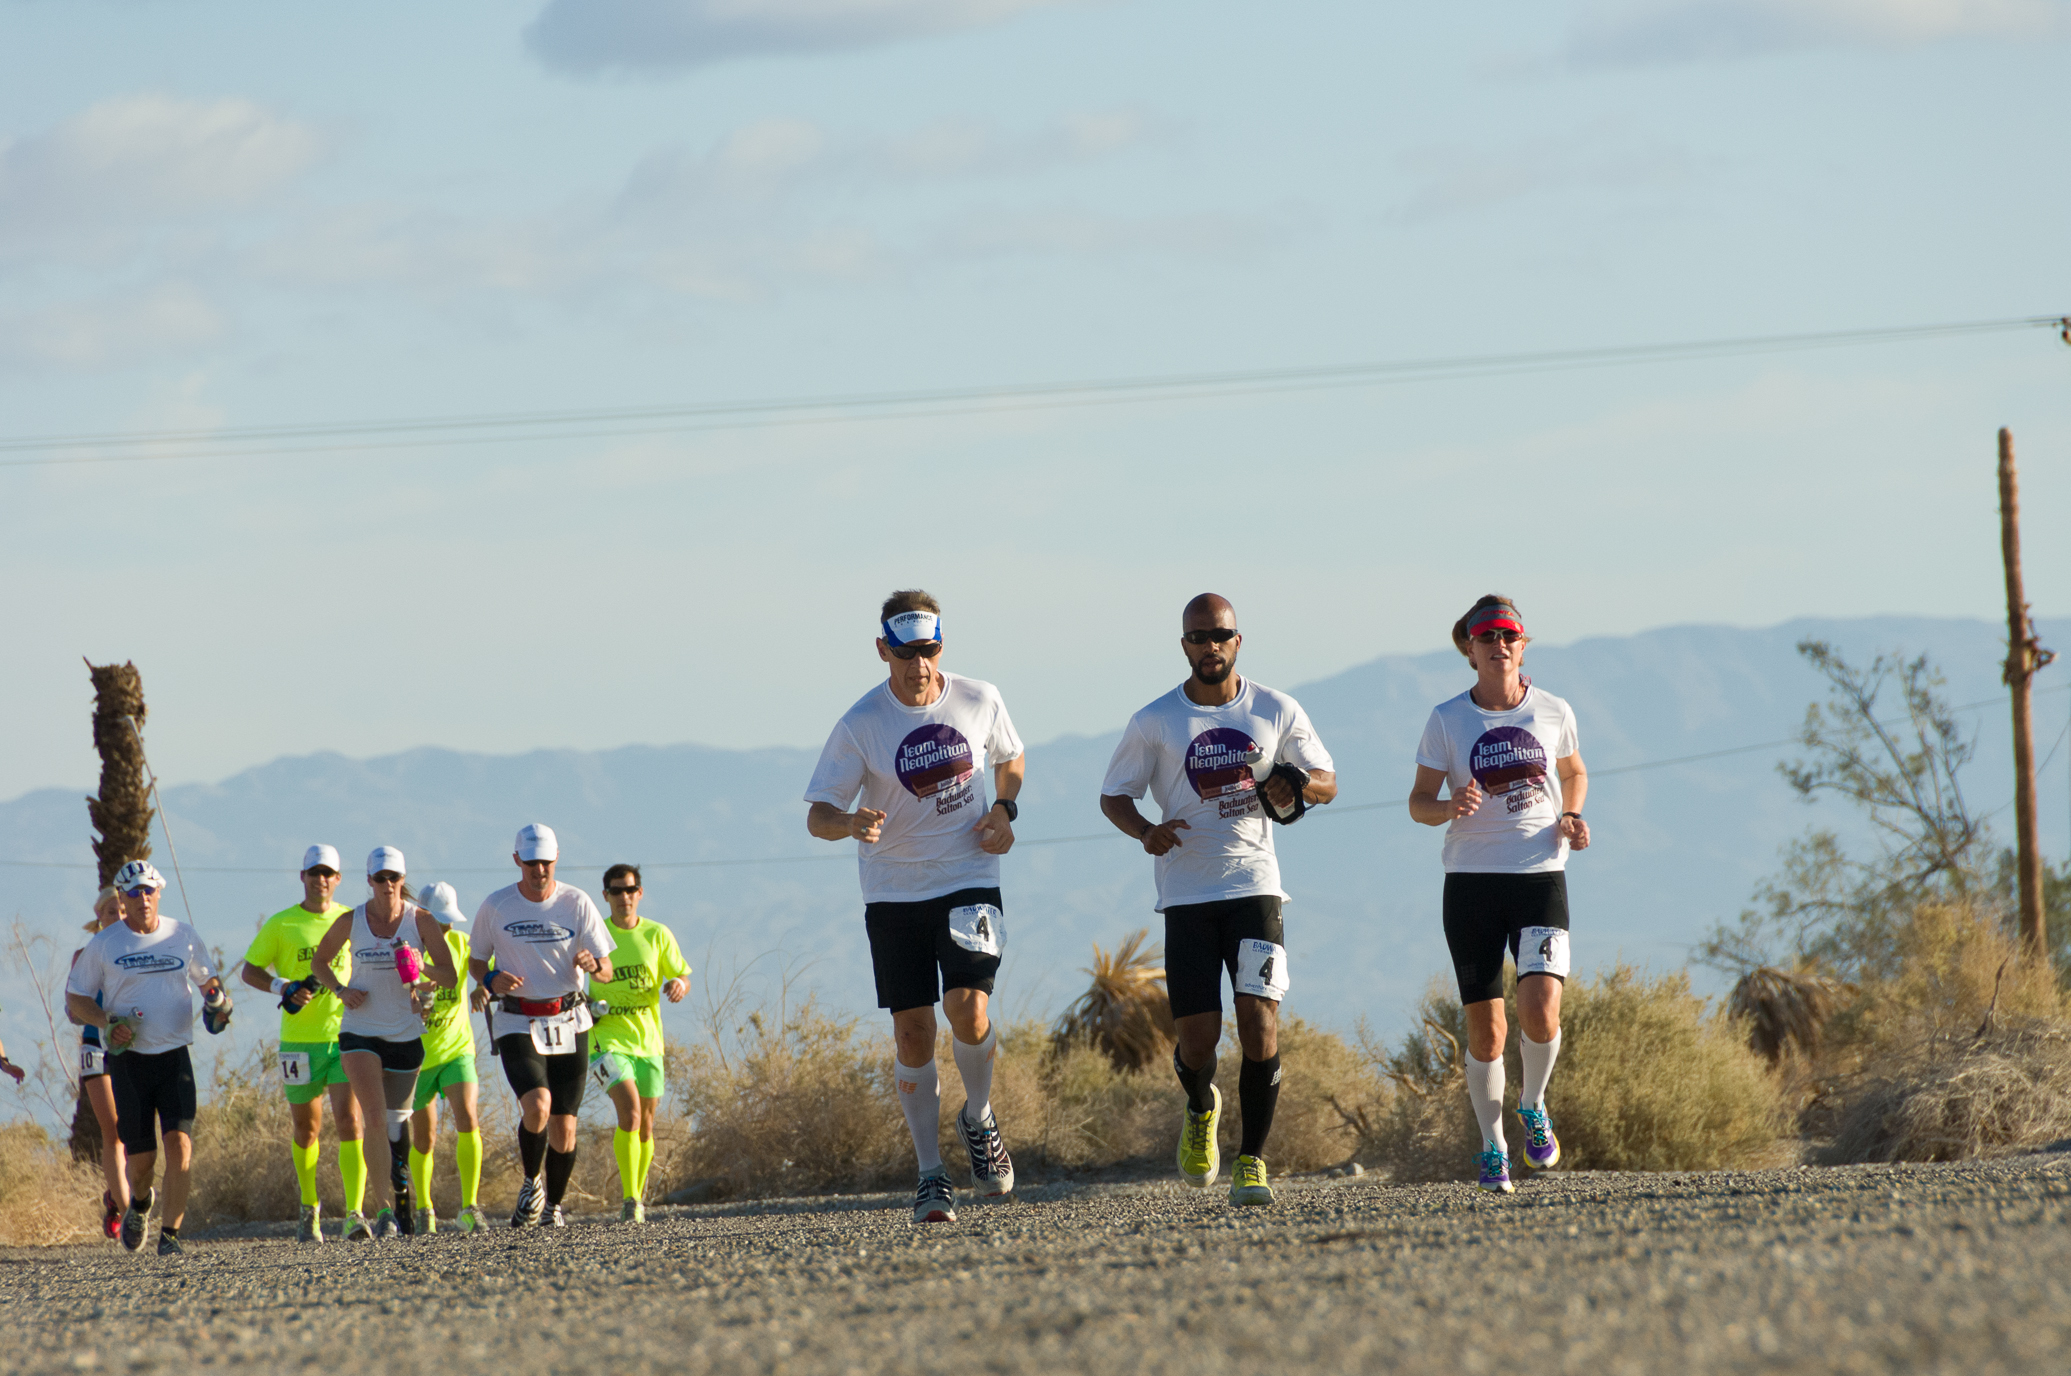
(1485, 1092)
(920, 1099)
(974, 1064)
(1538, 1069)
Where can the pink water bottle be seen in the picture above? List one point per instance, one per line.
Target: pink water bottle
(409, 965)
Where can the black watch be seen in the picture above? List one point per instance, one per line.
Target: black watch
(1013, 812)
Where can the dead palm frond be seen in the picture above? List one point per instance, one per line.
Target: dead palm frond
(1125, 1014)
(1785, 1011)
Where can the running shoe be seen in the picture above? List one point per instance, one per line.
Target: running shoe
(1200, 1160)
(310, 1227)
(1248, 1183)
(427, 1220)
(385, 1224)
(471, 1220)
(555, 1218)
(1541, 1147)
(532, 1202)
(133, 1223)
(992, 1170)
(1495, 1170)
(111, 1215)
(934, 1201)
(169, 1246)
(355, 1228)
(632, 1211)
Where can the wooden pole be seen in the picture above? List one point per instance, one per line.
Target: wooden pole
(2023, 658)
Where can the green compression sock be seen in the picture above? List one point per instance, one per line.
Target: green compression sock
(420, 1176)
(352, 1170)
(626, 1147)
(646, 1164)
(305, 1168)
(467, 1155)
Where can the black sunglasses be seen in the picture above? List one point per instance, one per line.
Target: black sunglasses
(629, 888)
(1218, 635)
(926, 649)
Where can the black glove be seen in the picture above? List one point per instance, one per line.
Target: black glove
(1297, 779)
(288, 993)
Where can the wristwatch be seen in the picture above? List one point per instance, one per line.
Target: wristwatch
(1576, 815)
(1013, 812)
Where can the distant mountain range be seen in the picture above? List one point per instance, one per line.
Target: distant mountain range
(730, 867)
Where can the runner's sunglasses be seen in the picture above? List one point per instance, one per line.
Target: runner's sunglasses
(625, 889)
(1218, 635)
(926, 649)
(1491, 637)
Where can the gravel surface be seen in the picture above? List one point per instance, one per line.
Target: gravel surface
(1909, 1268)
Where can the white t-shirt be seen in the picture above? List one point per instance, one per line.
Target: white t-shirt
(1203, 764)
(155, 973)
(925, 768)
(538, 942)
(1511, 754)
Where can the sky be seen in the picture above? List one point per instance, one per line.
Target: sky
(216, 217)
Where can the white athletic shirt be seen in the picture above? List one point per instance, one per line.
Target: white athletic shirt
(1511, 754)
(1202, 764)
(387, 1013)
(925, 768)
(538, 942)
(154, 973)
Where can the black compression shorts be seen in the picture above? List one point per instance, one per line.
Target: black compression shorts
(909, 942)
(397, 1057)
(561, 1075)
(1486, 916)
(1201, 942)
(157, 1086)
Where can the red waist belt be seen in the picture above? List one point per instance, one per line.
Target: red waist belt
(536, 1008)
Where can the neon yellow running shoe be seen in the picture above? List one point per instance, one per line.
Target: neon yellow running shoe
(1200, 1160)
(1248, 1182)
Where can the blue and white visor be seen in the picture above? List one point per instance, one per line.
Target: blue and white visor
(907, 627)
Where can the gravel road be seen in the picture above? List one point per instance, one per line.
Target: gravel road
(1912, 1268)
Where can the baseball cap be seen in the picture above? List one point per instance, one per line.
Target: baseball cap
(138, 874)
(907, 627)
(536, 841)
(441, 902)
(324, 856)
(385, 858)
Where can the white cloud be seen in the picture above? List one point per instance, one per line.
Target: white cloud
(1457, 179)
(1646, 31)
(589, 36)
(140, 159)
(112, 329)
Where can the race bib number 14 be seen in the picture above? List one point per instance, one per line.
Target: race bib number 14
(294, 1067)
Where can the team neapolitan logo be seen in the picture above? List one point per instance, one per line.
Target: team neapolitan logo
(1509, 762)
(1218, 765)
(147, 963)
(936, 762)
(537, 933)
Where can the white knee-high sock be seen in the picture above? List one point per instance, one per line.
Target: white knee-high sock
(974, 1064)
(1538, 1069)
(920, 1099)
(1485, 1092)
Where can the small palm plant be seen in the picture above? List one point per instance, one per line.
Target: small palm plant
(1125, 1014)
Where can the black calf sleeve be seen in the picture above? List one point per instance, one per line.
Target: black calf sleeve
(532, 1151)
(560, 1165)
(1258, 1093)
(1195, 1082)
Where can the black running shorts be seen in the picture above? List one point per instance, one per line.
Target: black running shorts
(910, 942)
(1201, 944)
(1487, 914)
(397, 1058)
(564, 1075)
(157, 1086)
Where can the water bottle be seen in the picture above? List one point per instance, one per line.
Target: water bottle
(215, 1010)
(409, 965)
(133, 1020)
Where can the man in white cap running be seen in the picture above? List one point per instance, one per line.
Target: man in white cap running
(278, 962)
(543, 937)
(918, 748)
(135, 981)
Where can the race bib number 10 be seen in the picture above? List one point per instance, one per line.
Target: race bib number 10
(977, 928)
(294, 1067)
(92, 1061)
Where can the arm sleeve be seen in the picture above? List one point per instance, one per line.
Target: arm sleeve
(1003, 746)
(1300, 745)
(1434, 751)
(260, 954)
(1568, 744)
(1129, 772)
(838, 777)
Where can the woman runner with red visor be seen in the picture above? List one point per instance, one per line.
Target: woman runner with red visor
(1507, 755)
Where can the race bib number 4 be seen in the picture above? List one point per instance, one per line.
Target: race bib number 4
(92, 1061)
(294, 1067)
(977, 928)
(555, 1036)
(1542, 951)
(1261, 969)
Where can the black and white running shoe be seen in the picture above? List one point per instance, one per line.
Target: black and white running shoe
(934, 1201)
(555, 1218)
(169, 1246)
(992, 1170)
(133, 1221)
(532, 1202)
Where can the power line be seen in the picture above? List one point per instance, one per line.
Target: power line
(634, 422)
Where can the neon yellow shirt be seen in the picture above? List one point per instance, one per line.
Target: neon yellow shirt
(449, 1030)
(642, 960)
(286, 945)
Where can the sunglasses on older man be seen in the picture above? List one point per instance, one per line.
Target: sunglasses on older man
(926, 649)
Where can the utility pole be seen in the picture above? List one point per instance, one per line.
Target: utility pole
(2023, 657)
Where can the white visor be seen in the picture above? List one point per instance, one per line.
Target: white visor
(907, 627)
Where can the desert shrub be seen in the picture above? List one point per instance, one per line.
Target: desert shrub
(1949, 964)
(45, 1196)
(242, 1169)
(2006, 1090)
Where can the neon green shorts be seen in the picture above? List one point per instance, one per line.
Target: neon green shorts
(607, 1068)
(434, 1080)
(306, 1068)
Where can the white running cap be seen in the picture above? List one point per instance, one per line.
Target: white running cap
(138, 874)
(326, 856)
(441, 902)
(385, 858)
(907, 627)
(536, 841)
